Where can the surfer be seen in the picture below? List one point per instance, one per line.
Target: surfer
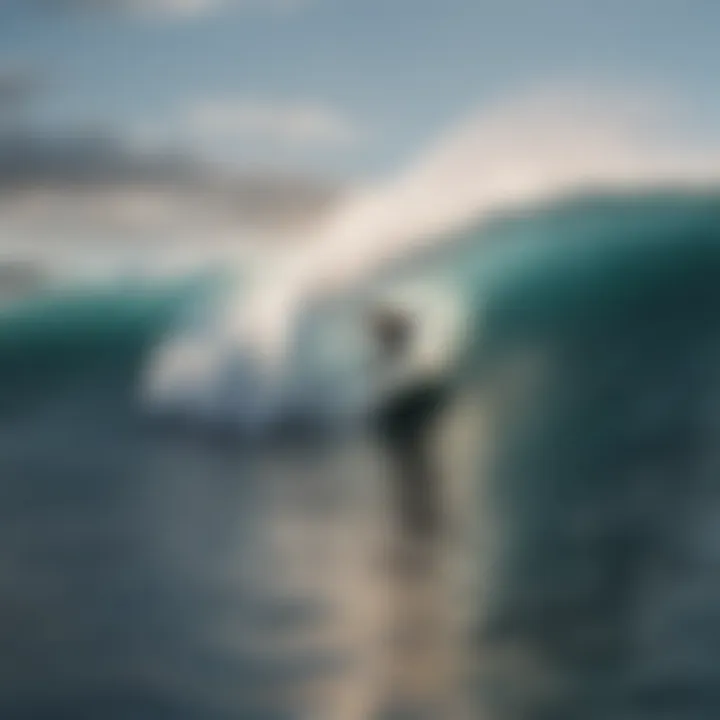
(405, 421)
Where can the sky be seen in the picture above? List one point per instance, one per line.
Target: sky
(348, 89)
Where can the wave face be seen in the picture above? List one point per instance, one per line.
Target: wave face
(326, 374)
(594, 368)
(60, 336)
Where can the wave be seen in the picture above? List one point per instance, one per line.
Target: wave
(294, 341)
(62, 335)
(180, 342)
(288, 340)
(329, 375)
(593, 469)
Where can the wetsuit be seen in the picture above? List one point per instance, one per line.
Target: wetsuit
(405, 422)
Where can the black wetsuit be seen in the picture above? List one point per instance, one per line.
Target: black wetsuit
(406, 423)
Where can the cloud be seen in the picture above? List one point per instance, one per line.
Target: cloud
(294, 125)
(176, 9)
(29, 159)
(83, 195)
(237, 130)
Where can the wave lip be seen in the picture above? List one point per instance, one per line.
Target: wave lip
(258, 364)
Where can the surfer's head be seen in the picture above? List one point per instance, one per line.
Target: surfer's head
(392, 331)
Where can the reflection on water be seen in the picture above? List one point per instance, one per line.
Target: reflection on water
(149, 575)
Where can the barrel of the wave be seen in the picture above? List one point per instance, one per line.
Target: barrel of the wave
(597, 376)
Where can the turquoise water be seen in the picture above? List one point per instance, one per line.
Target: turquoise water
(61, 334)
(597, 547)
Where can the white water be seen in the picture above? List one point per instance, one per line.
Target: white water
(293, 342)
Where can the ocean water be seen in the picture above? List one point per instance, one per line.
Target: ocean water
(173, 561)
